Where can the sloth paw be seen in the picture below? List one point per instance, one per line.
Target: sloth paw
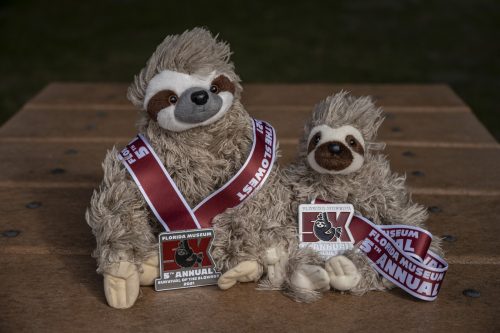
(310, 277)
(275, 261)
(121, 284)
(343, 273)
(150, 271)
(245, 271)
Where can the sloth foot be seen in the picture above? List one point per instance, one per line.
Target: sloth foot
(150, 271)
(275, 261)
(311, 277)
(121, 285)
(245, 271)
(343, 273)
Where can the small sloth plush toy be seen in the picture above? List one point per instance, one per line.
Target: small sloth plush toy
(340, 162)
(189, 97)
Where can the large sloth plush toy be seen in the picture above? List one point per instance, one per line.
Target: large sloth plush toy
(189, 97)
(340, 162)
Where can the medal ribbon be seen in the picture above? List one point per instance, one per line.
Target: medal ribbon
(401, 254)
(167, 202)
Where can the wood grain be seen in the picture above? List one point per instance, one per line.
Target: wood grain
(85, 124)
(62, 293)
(51, 154)
(56, 224)
(402, 96)
(46, 163)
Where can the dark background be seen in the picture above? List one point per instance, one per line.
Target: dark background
(455, 42)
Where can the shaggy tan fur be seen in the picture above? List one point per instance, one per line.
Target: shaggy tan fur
(199, 160)
(373, 190)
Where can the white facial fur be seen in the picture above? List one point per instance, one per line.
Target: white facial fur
(336, 134)
(178, 83)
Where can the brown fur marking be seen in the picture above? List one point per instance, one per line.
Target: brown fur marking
(224, 84)
(356, 146)
(158, 102)
(329, 161)
(314, 142)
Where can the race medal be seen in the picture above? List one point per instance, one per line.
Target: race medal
(185, 260)
(325, 228)
(400, 253)
(184, 257)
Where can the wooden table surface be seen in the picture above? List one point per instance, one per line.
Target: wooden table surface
(51, 153)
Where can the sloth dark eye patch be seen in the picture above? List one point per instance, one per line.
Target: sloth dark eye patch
(224, 84)
(314, 142)
(355, 144)
(158, 102)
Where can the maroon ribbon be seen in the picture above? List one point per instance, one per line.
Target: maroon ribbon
(167, 202)
(401, 254)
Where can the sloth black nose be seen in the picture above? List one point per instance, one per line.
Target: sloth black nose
(334, 148)
(199, 97)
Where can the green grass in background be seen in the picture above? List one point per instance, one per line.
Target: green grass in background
(455, 42)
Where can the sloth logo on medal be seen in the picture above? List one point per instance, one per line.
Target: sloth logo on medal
(185, 257)
(325, 228)
(185, 260)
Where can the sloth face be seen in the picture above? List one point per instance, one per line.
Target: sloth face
(181, 101)
(335, 150)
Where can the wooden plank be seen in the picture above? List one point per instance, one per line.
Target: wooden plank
(47, 221)
(80, 123)
(51, 221)
(63, 123)
(402, 96)
(49, 164)
(436, 168)
(399, 128)
(69, 93)
(388, 95)
(460, 128)
(51, 160)
(46, 293)
(469, 226)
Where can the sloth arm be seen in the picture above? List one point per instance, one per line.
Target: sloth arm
(399, 207)
(119, 218)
